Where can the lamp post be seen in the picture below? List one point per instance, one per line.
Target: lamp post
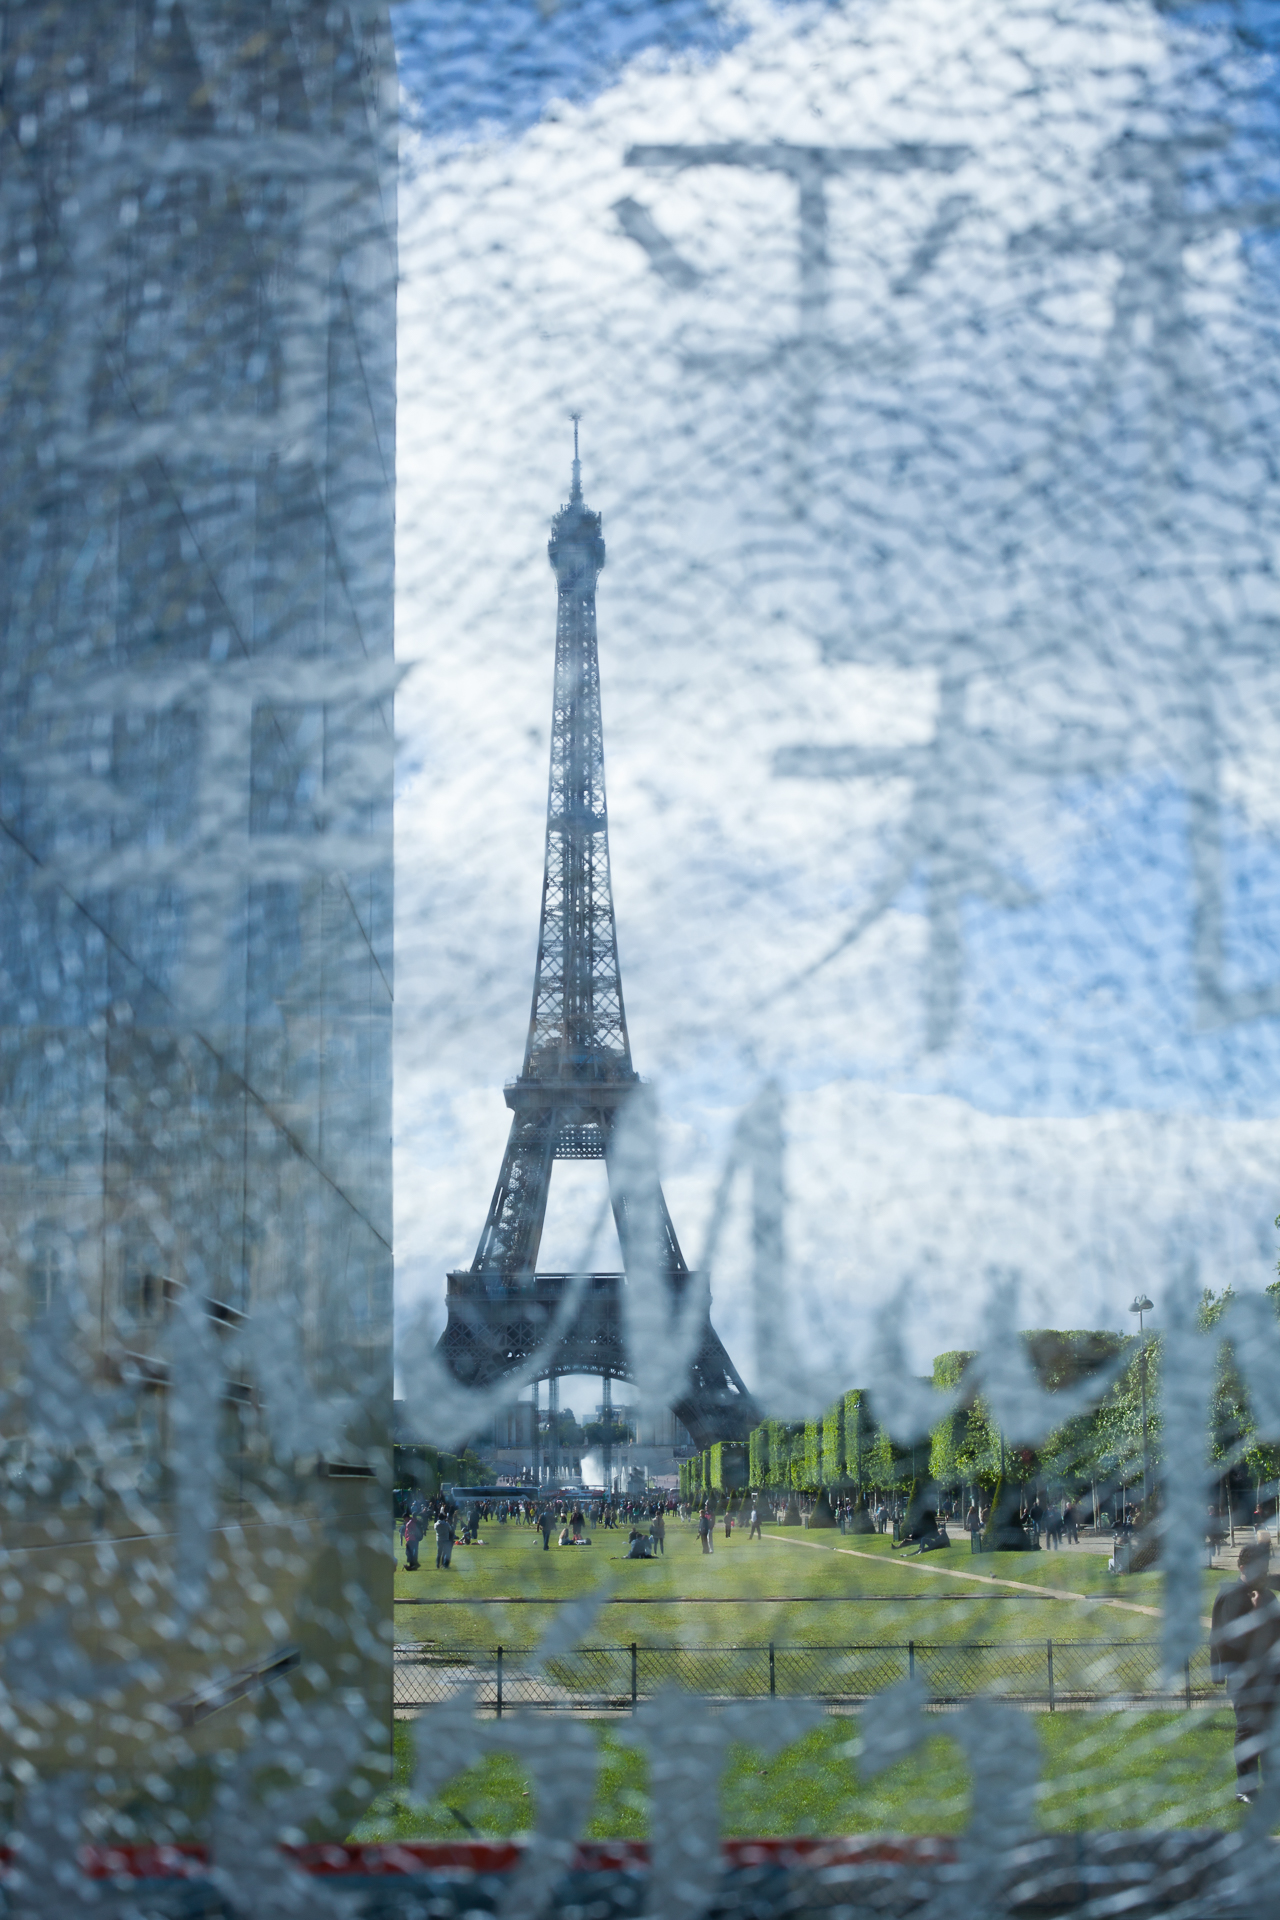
(1141, 1305)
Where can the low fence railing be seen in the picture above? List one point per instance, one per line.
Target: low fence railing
(1040, 1673)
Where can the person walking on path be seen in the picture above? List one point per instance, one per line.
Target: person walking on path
(1244, 1652)
(412, 1535)
(753, 1531)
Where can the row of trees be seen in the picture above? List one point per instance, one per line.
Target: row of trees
(847, 1450)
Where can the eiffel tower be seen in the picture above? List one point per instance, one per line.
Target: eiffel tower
(577, 1072)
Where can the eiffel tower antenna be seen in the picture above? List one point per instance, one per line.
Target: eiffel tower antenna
(577, 1073)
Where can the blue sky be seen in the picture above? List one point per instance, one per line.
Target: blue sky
(521, 299)
(469, 69)
(1084, 1000)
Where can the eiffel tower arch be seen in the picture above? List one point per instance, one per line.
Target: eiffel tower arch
(577, 1074)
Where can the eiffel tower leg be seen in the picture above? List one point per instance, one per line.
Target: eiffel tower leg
(607, 1416)
(513, 1231)
(716, 1404)
(553, 1430)
(537, 1455)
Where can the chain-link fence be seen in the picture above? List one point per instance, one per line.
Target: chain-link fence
(1040, 1673)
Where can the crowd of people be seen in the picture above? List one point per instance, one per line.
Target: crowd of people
(1244, 1636)
(566, 1518)
(571, 1518)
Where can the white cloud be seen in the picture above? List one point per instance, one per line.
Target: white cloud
(960, 480)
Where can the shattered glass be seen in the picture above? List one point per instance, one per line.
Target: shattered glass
(919, 357)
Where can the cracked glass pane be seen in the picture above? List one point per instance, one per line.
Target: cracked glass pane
(638, 676)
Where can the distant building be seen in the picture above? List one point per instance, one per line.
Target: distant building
(196, 570)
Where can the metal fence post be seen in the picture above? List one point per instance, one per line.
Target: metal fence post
(955, 1669)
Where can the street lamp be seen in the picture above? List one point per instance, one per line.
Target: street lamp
(1141, 1305)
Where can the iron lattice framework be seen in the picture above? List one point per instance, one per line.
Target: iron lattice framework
(577, 1071)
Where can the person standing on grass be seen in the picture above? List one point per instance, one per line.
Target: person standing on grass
(1244, 1652)
(704, 1530)
(753, 1532)
(412, 1535)
(444, 1539)
(658, 1532)
(547, 1524)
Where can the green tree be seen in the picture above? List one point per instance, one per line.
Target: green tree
(834, 1466)
(1233, 1434)
(978, 1450)
(890, 1466)
(859, 1436)
(1076, 1452)
(786, 1453)
(728, 1465)
(1117, 1427)
(428, 1469)
(812, 1464)
(614, 1432)
(947, 1441)
(759, 1467)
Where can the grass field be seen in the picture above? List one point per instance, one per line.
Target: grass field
(1099, 1769)
(761, 1590)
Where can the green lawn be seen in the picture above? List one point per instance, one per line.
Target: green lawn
(764, 1589)
(1100, 1769)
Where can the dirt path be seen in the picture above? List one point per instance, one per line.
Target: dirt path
(984, 1579)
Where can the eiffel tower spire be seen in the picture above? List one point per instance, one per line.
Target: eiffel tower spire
(577, 1070)
(578, 1029)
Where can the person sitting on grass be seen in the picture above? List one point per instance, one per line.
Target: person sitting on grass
(640, 1546)
(925, 1535)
